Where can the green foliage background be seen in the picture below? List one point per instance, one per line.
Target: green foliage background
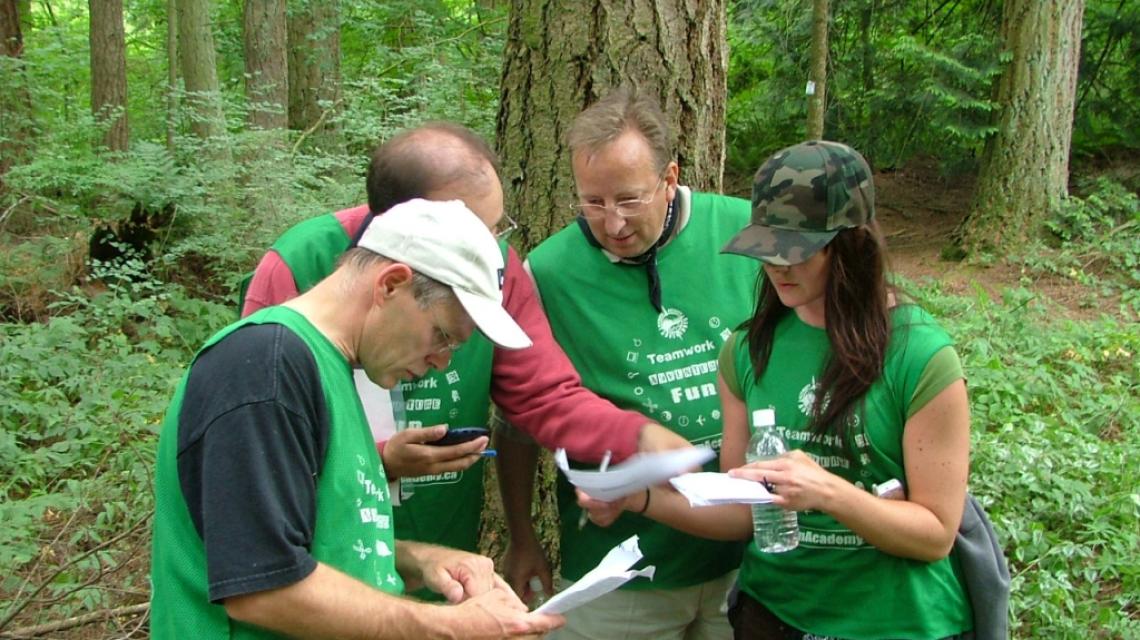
(89, 354)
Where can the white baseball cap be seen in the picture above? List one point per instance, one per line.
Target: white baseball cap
(445, 241)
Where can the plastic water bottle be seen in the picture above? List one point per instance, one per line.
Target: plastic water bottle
(776, 529)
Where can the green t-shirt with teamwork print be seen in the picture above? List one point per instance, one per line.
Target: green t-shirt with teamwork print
(835, 583)
(353, 531)
(663, 364)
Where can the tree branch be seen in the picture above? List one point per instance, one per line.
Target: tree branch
(16, 608)
(75, 621)
(316, 125)
(1109, 42)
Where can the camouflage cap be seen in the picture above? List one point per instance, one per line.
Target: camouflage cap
(801, 197)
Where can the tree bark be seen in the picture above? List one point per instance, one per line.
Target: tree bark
(817, 93)
(562, 55)
(1025, 168)
(15, 99)
(109, 70)
(314, 69)
(266, 63)
(199, 68)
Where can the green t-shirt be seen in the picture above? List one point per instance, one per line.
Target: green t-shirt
(352, 532)
(443, 509)
(661, 364)
(835, 583)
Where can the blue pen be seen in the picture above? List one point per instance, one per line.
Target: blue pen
(489, 453)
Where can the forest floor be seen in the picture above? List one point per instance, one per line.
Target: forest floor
(918, 210)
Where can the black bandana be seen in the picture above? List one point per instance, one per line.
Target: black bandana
(649, 258)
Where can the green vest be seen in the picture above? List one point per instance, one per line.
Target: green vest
(835, 583)
(663, 365)
(353, 532)
(444, 509)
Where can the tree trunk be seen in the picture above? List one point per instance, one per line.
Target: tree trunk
(171, 73)
(817, 77)
(15, 99)
(562, 55)
(1025, 169)
(109, 71)
(869, 117)
(314, 69)
(266, 63)
(199, 69)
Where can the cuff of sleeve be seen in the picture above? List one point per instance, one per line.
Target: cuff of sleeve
(222, 589)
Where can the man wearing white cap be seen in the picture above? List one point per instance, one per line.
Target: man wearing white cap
(272, 510)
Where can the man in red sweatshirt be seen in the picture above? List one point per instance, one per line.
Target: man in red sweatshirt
(537, 389)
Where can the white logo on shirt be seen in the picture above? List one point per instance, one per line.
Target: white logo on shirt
(672, 323)
(807, 397)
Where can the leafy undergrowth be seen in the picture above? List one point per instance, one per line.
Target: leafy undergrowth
(1056, 427)
(80, 406)
(1094, 244)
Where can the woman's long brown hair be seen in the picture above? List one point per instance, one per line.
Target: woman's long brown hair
(857, 319)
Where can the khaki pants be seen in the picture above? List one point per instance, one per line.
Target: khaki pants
(689, 613)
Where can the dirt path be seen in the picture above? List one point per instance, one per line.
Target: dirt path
(919, 210)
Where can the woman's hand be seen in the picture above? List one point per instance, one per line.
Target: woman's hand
(796, 481)
(604, 513)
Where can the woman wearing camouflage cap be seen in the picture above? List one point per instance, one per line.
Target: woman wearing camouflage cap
(868, 389)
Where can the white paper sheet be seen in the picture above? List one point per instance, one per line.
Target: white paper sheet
(708, 489)
(635, 474)
(378, 408)
(612, 572)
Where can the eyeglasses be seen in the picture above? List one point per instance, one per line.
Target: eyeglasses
(443, 342)
(504, 227)
(629, 208)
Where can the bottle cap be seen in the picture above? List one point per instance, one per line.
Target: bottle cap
(764, 417)
(892, 488)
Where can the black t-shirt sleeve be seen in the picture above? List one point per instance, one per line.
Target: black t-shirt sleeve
(252, 436)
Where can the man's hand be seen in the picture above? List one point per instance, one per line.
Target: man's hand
(330, 604)
(500, 614)
(603, 513)
(654, 438)
(406, 456)
(524, 560)
(454, 574)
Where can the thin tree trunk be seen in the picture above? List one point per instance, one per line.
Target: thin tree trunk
(171, 73)
(314, 69)
(817, 93)
(266, 63)
(562, 55)
(15, 98)
(69, 89)
(866, 23)
(199, 70)
(1025, 170)
(109, 70)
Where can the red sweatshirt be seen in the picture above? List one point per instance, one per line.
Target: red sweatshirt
(537, 388)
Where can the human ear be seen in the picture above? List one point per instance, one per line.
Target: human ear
(390, 280)
(672, 178)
